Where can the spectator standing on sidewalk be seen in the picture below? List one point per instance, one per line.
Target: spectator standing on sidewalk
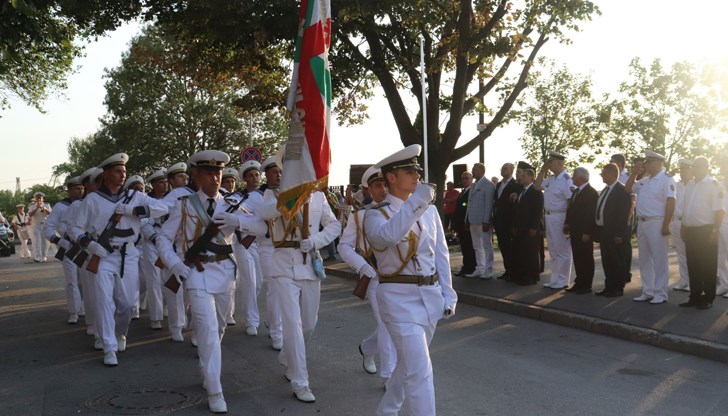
(580, 227)
(481, 202)
(686, 174)
(451, 200)
(463, 232)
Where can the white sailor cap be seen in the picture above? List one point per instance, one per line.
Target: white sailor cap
(268, 163)
(685, 162)
(404, 158)
(37, 194)
(556, 156)
(158, 174)
(115, 160)
(649, 154)
(230, 173)
(72, 181)
(249, 165)
(180, 167)
(20, 206)
(371, 175)
(91, 174)
(131, 180)
(209, 159)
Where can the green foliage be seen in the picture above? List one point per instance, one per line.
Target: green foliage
(678, 112)
(558, 113)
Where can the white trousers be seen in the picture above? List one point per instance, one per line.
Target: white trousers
(483, 246)
(23, 237)
(88, 288)
(116, 295)
(299, 301)
(73, 292)
(412, 378)
(272, 302)
(208, 317)
(152, 276)
(559, 249)
(40, 244)
(679, 245)
(250, 281)
(723, 258)
(653, 247)
(379, 342)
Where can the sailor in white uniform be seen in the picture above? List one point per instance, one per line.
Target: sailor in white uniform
(151, 274)
(20, 225)
(38, 211)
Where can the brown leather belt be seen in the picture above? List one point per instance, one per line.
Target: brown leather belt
(417, 280)
(288, 244)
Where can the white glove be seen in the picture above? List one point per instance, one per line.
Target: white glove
(307, 245)
(64, 244)
(226, 220)
(425, 191)
(97, 249)
(368, 271)
(125, 209)
(180, 270)
(449, 312)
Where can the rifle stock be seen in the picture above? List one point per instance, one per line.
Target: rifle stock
(80, 259)
(93, 264)
(60, 253)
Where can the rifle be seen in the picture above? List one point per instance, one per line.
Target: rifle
(105, 237)
(192, 255)
(60, 253)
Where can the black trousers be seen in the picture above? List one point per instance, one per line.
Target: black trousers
(466, 246)
(702, 259)
(525, 259)
(614, 261)
(505, 237)
(583, 254)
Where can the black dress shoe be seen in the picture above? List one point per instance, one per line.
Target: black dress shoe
(688, 304)
(613, 293)
(573, 288)
(601, 292)
(705, 305)
(504, 276)
(581, 291)
(460, 273)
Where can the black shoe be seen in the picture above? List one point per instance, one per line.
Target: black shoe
(505, 276)
(688, 304)
(615, 293)
(460, 273)
(581, 291)
(601, 292)
(705, 305)
(573, 288)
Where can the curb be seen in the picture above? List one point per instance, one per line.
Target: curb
(665, 340)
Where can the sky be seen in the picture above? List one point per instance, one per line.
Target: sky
(34, 142)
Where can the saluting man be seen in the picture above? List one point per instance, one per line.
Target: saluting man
(655, 208)
(416, 291)
(117, 277)
(20, 225)
(295, 283)
(209, 282)
(557, 190)
(57, 233)
(38, 211)
(356, 251)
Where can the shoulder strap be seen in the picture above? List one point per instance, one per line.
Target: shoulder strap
(203, 216)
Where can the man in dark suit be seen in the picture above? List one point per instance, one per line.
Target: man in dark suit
(613, 230)
(580, 226)
(525, 267)
(503, 215)
(458, 225)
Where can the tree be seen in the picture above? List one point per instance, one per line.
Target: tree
(161, 110)
(678, 113)
(558, 113)
(40, 38)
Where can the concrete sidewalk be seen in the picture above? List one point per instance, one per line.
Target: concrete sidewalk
(687, 330)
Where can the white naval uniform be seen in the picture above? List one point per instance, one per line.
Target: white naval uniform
(23, 233)
(250, 275)
(677, 241)
(87, 279)
(722, 285)
(37, 222)
(151, 274)
(116, 294)
(208, 290)
(652, 195)
(55, 227)
(295, 283)
(409, 311)
(265, 255)
(557, 190)
(379, 342)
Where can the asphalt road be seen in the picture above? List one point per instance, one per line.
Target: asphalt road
(486, 363)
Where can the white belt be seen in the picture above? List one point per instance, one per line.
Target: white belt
(645, 218)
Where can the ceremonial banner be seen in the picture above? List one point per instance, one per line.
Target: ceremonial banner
(308, 155)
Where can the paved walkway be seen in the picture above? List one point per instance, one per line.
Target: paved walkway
(699, 332)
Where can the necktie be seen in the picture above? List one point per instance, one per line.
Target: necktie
(211, 207)
(574, 194)
(602, 198)
(522, 192)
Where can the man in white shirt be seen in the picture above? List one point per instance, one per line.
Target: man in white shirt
(686, 174)
(38, 211)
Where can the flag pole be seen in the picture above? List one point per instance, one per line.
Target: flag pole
(424, 107)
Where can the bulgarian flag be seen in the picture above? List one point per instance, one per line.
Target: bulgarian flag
(308, 154)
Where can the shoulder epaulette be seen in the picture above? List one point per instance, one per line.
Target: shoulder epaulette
(380, 205)
(183, 197)
(566, 175)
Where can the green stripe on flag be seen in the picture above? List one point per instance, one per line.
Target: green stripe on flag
(322, 76)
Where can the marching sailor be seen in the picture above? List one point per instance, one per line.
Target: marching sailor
(20, 225)
(38, 211)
